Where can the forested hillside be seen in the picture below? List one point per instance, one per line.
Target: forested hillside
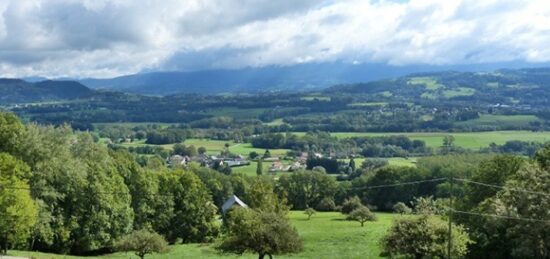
(13, 91)
(446, 101)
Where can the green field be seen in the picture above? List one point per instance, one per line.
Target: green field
(488, 120)
(134, 124)
(315, 97)
(429, 82)
(326, 235)
(460, 91)
(236, 112)
(392, 161)
(472, 140)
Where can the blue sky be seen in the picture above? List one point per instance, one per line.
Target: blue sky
(106, 38)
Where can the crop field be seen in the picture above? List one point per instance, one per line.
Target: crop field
(326, 235)
(471, 140)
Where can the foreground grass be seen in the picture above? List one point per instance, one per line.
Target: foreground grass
(326, 235)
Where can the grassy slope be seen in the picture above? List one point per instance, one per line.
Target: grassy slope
(326, 235)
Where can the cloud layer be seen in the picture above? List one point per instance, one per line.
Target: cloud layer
(105, 38)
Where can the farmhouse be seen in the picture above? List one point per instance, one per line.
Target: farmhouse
(233, 201)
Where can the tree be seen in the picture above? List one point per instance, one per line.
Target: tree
(11, 133)
(526, 239)
(187, 212)
(201, 150)
(402, 208)
(351, 204)
(309, 212)
(425, 236)
(259, 167)
(142, 242)
(448, 141)
(362, 214)
(267, 154)
(253, 155)
(18, 211)
(306, 189)
(352, 165)
(261, 232)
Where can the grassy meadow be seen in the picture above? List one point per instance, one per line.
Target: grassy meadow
(326, 235)
(471, 140)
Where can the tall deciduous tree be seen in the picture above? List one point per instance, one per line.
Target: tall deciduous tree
(187, 211)
(261, 232)
(11, 133)
(307, 189)
(18, 211)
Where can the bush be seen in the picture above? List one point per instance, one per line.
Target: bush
(142, 242)
(326, 204)
(424, 237)
(351, 204)
(402, 208)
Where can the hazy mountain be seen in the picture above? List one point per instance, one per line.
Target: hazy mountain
(21, 91)
(272, 78)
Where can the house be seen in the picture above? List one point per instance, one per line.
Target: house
(276, 166)
(232, 201)
(177, 160)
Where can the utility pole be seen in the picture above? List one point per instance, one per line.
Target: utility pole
(450, 242)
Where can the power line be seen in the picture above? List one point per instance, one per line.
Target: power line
(93, 193)
(502, 187)
(399, 184)
(499, 216)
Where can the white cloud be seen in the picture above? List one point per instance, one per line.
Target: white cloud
(103, 38)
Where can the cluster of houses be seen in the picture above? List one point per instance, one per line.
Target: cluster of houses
(207, 161)
(213, 161)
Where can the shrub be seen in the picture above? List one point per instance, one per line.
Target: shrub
(326, 204)
(423, 237)
(402, 208)
(143, 242)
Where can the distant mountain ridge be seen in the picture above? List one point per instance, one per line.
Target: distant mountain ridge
(21, 91)
(301, 77)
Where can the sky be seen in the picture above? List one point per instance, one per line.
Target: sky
(107, 38)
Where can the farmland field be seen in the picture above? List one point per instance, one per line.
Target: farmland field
(326, 235)
(215, 146)
(487, 120)
(471, 140)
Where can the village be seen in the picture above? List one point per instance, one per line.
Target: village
(224, 159)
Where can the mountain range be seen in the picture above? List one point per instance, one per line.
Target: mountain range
(302, 77)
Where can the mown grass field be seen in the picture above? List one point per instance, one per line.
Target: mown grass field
(326, 235)
(489, 120)
(214, 147)
(471, 140)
